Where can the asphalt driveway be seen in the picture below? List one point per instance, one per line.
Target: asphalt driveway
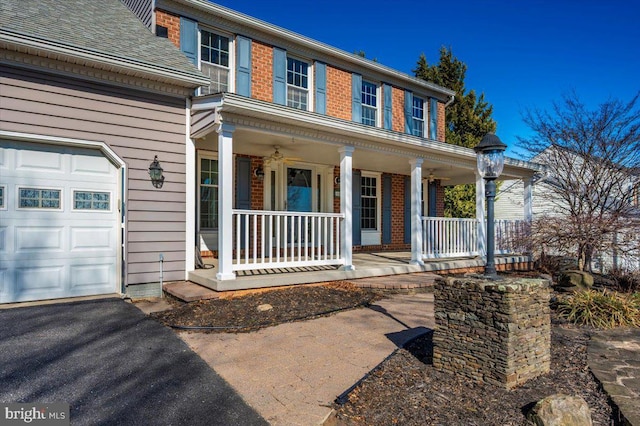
(113, 365)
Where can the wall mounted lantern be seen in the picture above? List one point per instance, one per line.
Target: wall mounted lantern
(259, 173)
(155, 172)
(490, 155)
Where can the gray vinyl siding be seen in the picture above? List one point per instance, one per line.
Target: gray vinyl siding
(142, 9)
(137, 126)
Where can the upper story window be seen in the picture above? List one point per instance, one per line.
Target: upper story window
(369, 104)
(214, 61)
(418, 117)
(297, 84)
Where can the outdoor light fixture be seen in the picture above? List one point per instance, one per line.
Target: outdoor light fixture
(259, 173)
(490, 153)
(155, 172)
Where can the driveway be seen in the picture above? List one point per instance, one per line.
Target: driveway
(113, 365)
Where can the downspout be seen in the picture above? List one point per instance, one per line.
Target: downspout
(450, 101)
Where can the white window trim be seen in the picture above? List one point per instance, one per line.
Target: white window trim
(208, 234)
(310, 78)
(425, 115)
(232, 54)
(378, 100)
(371, 237)
(5, 195)
(73, 201)
(41, 188)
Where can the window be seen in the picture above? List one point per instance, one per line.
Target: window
(418, 117)
(369, 103)
(2, 197)
(214, 61)
(91, 200)
(369, 213)
(208, 193)
(297, 84)
(39, 198)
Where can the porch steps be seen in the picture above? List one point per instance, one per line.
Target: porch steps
(398, 282)
(188, 291)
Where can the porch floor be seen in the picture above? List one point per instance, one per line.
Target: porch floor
(370, 264)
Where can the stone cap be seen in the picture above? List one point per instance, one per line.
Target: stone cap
(502, 285)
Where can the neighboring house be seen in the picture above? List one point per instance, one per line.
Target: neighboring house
(537, 192)
(89, 96)
(291, 153)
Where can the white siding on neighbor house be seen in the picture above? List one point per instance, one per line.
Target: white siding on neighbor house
(136, 125)
(510, 200)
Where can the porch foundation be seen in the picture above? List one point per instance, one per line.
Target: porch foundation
(496, 332)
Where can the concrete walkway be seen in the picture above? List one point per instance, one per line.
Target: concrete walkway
(614, 358)
(290, 374)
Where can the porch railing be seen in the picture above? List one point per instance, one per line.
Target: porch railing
(278, 239)
(449, 237)
(511, 236)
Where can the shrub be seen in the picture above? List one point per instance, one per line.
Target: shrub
(601, 309)
(626, 281)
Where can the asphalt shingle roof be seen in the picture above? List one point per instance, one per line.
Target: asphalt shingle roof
(104, 27)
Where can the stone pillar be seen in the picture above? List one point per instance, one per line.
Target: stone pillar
(496, 332)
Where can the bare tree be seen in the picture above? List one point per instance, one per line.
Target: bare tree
(593, 161)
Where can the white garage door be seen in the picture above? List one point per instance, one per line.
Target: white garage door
(60, 222)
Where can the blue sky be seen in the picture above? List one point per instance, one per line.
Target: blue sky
(521, 54)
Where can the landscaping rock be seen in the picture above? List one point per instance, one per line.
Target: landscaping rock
(561, 410)
(265, 307)
(579, 279)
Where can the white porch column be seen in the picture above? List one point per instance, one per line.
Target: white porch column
(416, 217)
(346, 194)
(528, 199)
(225, 202)
(480, 215)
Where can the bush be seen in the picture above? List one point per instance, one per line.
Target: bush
(601, 309)
(626, 281)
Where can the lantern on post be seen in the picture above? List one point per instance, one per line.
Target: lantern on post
(490, 157)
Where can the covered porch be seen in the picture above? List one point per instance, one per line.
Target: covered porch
(270, 182)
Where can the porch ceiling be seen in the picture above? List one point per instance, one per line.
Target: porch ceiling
(313, 138)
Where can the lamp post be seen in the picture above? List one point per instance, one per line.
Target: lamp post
(490, 155)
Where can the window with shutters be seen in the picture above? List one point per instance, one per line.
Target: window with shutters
(418, 117)
(369, 103)
(215, 61)
(298, 84)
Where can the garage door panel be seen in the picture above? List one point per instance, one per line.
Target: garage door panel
(85, 238)
(91, 165)
(30, 278)
(94, 277)
(3, 239)
(39, 239)
(38, 161)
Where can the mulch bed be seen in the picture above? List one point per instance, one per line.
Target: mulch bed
(406, 389)
(251, 312)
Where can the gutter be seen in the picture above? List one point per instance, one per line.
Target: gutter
(450, 101)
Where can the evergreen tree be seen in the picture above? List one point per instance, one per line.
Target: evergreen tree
(467, 120)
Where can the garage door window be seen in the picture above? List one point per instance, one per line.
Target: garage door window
(3, 205)
(39, 198)
(91, 200)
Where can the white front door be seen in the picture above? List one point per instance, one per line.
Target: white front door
(59, 231)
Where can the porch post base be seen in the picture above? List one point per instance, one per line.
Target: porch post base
(225, 277)
(347, 268)
(416, 262)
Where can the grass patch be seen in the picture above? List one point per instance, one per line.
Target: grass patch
(601, 309)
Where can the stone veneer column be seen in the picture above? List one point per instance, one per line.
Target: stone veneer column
(496, 332)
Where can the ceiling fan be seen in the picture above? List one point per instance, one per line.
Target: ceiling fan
(432, 178)
(278, 157)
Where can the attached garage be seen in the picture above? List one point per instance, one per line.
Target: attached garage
(60, 227)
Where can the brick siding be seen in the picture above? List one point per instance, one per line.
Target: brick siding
(172, 23)
(397, 96)
(261, 71)
(338, 93)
